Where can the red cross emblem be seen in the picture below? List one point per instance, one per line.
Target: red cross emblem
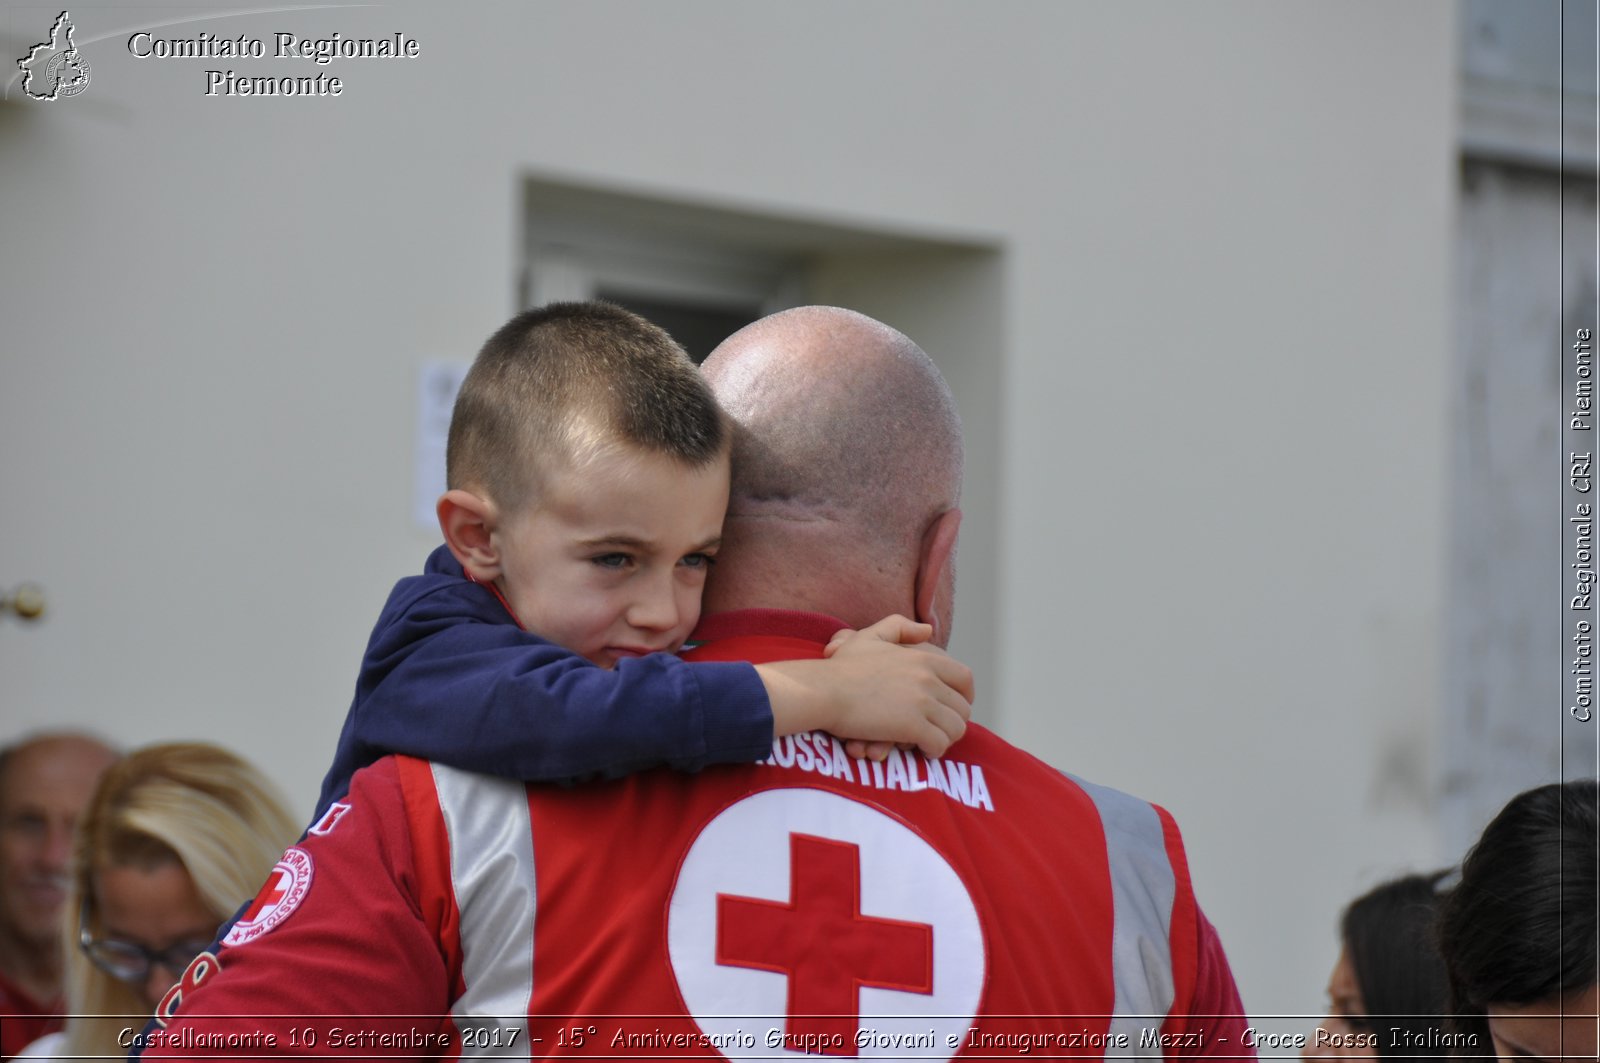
(824, 944)
(276, 889)
(288, 885)
(805, 923)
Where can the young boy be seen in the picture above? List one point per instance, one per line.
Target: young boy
(588, 476)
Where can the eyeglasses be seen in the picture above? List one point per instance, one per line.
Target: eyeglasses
(130, 962)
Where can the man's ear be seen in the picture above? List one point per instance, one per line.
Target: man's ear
(934, 560)
(468, 521)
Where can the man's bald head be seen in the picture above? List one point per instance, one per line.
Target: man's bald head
(847, 449)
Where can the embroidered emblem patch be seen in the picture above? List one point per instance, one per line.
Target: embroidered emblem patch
(286, 887)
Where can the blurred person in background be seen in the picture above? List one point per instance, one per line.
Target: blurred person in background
(1387, 994)
(1518, 932)
(173, 841)
(45, 781)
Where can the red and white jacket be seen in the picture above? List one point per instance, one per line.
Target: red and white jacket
(811, 904)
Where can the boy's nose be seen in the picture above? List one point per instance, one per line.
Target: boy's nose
(655, 610)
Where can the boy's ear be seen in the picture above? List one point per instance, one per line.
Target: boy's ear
(468, 522)
(936, 573)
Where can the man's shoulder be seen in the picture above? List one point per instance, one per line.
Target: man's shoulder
(378, 789)
(982, 744)
(382, 817)
(411, 786)
(1122, 814)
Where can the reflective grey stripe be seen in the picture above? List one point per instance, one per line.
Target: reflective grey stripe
(1142, 892)
(491, 871)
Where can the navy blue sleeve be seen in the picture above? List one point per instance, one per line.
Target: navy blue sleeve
(448, 676)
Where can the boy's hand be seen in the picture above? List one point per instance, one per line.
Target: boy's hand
(898, 630)
(856, 749)
(892, 628)
(876, 686)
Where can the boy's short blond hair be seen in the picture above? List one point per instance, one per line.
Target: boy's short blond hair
(562, 381)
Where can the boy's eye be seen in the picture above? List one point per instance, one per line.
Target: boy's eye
(612, 560)
(698, 560)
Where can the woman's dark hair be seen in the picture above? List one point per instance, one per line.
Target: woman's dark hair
(1520, 927)
(1388, 936)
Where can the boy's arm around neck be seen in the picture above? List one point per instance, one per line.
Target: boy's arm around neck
(449, 677)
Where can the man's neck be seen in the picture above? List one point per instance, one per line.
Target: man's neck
(785, 623)
(30, 966)
(808, 566)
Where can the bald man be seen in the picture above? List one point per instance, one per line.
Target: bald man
(812, 904)
(847, 471)
(45, 782)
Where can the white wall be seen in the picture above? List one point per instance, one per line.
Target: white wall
(1224, 236)
(1528, 247)
(1527, 263)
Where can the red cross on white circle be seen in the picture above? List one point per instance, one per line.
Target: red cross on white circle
(285, 888)
(822, 942)
(819, 925)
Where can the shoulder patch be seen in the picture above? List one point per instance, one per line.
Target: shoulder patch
(285, 889)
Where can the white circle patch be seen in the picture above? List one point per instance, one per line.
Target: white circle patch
(286, 887)
(804, 923)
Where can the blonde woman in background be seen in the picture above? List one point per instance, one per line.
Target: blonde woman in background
(174, 840)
